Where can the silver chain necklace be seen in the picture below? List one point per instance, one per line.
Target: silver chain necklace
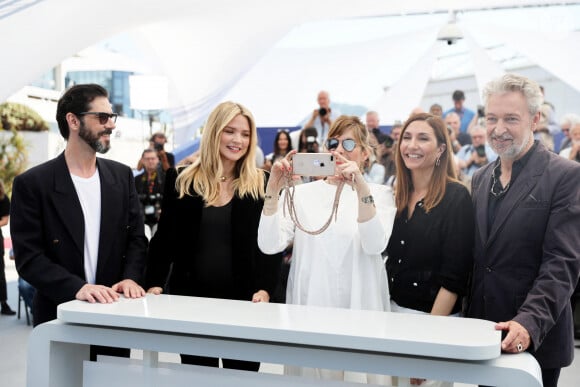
(494, 179)
(288, 204)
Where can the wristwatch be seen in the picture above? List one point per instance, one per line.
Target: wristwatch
(368, 199)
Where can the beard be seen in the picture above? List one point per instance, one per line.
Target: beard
(94, 140)
(514, 151)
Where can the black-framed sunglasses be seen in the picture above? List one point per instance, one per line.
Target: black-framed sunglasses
(103, 117)
(348, 144)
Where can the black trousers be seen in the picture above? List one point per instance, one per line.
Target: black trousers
(3, 292)
(550, 377)
(214, 362)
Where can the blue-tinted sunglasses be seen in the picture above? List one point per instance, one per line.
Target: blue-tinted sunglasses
(348, 144)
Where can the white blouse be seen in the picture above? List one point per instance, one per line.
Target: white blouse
(343, 266)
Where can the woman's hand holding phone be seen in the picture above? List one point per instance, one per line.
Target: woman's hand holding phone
(278, 174)
(349, 172)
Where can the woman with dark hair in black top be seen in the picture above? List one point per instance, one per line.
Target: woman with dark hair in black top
(430, 249)
(282, 145)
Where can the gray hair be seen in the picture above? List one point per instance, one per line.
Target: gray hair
(452, 114)
(516, 83)
(476, 127)
(571, 119)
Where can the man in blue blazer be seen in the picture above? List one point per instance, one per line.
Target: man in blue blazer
(76, 222)
(527, 251)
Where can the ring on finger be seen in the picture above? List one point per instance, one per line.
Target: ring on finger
(520, 347)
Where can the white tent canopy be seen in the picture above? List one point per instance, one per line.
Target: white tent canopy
(234, 49)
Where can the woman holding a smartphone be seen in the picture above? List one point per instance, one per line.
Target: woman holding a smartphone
(429, 256)
(341, 266)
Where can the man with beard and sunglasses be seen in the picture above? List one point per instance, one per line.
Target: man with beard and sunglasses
(76, 222)
(527, 251)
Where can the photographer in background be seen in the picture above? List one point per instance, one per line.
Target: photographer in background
(157, 143)
(167, 159)
(308, 140)
(473, 156)
(149, 187)
(386, 156)
(322, 117)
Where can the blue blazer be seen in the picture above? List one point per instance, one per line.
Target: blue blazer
(47, 229)
(528, 265)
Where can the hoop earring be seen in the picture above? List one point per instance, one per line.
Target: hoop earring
(438, 161)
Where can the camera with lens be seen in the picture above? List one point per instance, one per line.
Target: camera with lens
(158, 147)
(480, 150)
(323, 111)
(311, 144)
(308, 140)
(389, 142)
(151, 204)
(151, 199)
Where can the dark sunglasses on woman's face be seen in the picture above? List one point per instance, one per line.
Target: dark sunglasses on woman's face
(103, 117)
(347, 144)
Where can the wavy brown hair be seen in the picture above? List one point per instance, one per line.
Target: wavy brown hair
(442, 174)
(359, 132)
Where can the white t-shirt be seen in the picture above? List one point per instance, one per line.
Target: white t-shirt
(89, 194)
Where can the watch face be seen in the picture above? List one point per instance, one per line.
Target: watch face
(367, 199)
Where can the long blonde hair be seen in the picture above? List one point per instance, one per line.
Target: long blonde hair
(442, 174)
(202, 177)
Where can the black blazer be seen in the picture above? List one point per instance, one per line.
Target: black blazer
(47, 230)
(528, 265)
(178, 232)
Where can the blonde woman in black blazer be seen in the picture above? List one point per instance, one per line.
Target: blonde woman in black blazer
(209, 223)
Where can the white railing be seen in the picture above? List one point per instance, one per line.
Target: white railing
(441, 348)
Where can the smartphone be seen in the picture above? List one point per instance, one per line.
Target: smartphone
(313, 164)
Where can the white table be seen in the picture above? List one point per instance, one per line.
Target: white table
(442, 348)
